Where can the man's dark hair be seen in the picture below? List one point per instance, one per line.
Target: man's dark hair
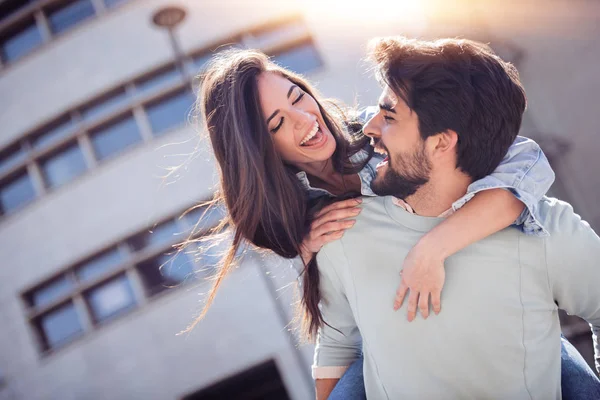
(460, 85)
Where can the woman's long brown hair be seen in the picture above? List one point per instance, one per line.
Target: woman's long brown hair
(265, 203)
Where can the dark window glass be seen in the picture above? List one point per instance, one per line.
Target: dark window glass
(15, 193)
(170, 112)
(59, 326)
(301, 59)
(64, 166)
(114, 138)
(53, 133)
(20, 41)
(161, 235)
(114, 3)
(11, 157)
(9, 7)
(50, 292)
(165, 271)
(204, 219)
(158, 81)
(109, 103)
(278, 35)
(67, 14)
(99, 265)
(110, 298)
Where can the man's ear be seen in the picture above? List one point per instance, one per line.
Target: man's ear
(445, 143)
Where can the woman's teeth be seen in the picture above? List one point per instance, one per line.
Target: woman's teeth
(311, 134)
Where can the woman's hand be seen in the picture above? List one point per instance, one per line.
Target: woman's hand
(329, 225)
(423, 275)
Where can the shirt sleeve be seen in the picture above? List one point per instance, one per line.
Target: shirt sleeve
(526, 172)
(338, 340)
(573, 262)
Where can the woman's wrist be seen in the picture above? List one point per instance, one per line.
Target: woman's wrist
(433, 247)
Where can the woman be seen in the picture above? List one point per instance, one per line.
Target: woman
(282, 154)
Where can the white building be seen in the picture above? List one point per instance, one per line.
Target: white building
(93, 110)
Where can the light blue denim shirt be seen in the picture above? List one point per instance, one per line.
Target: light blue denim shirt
(524, 171)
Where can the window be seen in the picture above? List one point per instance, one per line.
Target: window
(10, 7)
(110, 298)
(11, 157)
(100, 265)
(99, 288)
(59, 326)
(67, 14)
(53, 133)
(116, 137)
(165, 271)
(64, 166)
(263, 381)
(155, 82)
(15, 193)
(205, 218)
(19, 41)
(170, 112)
(50, 292)
(106, 104)
(158, 236)
(300, 59)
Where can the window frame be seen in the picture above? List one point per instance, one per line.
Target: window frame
(128, 267)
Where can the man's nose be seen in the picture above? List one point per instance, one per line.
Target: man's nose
(370, 129)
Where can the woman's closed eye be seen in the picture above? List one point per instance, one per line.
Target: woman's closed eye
(298, 99)
(274, 130)
(300, 96)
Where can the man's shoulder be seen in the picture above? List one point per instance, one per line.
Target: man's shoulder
(372, 214)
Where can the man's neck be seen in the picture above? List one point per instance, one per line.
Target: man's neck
(437, 196)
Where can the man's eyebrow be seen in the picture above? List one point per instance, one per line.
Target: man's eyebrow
(387, 107)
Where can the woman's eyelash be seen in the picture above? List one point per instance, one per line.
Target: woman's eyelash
(274, 130)
(299, 98)
(388, 118)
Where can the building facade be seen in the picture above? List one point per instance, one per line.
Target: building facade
(96, 108)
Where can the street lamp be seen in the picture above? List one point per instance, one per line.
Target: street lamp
(169, 18)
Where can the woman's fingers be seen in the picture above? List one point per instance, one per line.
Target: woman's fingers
(436, 301)
(413, 299)
(400, 294)
(424, 304)
(338, 205)
(330, 227)
(335, 215)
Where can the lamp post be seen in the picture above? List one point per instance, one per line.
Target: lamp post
(169, 18)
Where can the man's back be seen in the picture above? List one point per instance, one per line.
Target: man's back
(498, 335)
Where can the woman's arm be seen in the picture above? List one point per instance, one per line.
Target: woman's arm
(488, 212)
(526, 175)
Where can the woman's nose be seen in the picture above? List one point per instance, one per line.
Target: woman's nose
(302, 119)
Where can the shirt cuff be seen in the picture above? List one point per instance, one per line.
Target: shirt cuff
(328, 372)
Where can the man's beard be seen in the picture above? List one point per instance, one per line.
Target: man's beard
(414, 172)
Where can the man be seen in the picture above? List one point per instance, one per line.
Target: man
(449, 112)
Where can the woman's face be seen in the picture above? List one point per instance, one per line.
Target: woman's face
(294, 120)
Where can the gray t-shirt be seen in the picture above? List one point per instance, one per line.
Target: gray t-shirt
(498, 335)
